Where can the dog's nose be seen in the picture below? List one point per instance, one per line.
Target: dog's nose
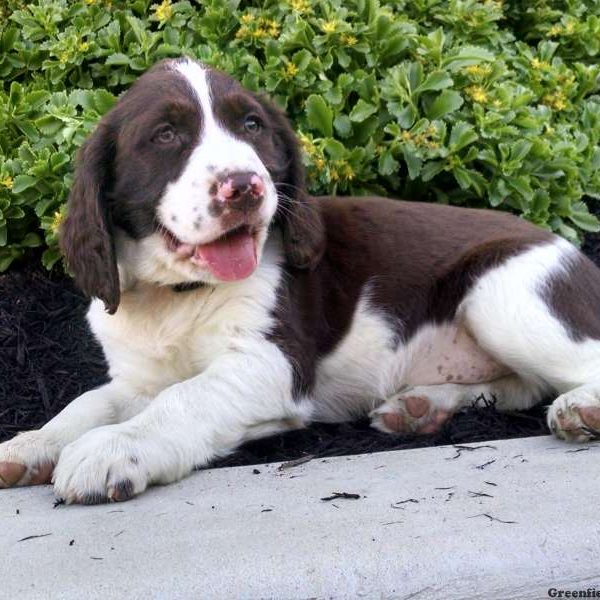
(241, 191)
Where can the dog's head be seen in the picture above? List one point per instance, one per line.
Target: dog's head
(191, 170)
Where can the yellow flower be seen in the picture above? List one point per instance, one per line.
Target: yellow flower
(557, 100)
(300, 6)
(329, 26)
(258, 33)
(477, 93)
(242, 32)
(536, 63)
(478, 70)
(64, 56)
(7, 182)
(273, 28)
(57, 219)
(90, 2)
(247, 19)
(554, 30)
(83, 47)
(406, 136)
(164, 11)
(497, 104)
(319, 164)
(348, 172)
(335, 176)
(348, 40)
(570, 28)
(565, 79)
(290, 71)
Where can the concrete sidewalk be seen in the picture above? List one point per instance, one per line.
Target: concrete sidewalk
(502, 520)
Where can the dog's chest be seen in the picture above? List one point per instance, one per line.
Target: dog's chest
(159, 337)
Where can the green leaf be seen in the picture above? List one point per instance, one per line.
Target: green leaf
(362, 110)
(31, 240)
(437, 80)
(50, 257)
(581, 216)
(22, 183)
(445, 103)
(431, 169)
(49, 125)
(520, 150)
(407, 116)
(387, 163)
(466, 56)
(319, 115)
(118, 59)
(335, 149)
(343, 125)
(413, 162)
(103, 101)
(462, 135)
(35, 99)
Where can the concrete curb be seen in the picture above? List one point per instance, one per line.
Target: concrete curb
(429, 523)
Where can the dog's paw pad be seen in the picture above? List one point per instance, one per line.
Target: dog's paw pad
(11, 473)
(590, 415)
(27, 459)
(575, 416)
(417, 406)
(409, 414)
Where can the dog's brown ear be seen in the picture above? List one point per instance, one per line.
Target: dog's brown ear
(298, 214)
(85, 236)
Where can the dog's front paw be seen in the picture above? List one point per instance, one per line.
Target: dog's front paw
(28, 459)
(104, 465)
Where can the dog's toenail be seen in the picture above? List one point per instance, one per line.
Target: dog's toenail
(123, 490)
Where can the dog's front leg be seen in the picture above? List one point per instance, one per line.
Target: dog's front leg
(240, 395)
(30, 457)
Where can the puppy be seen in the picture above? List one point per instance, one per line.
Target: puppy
(231, 305)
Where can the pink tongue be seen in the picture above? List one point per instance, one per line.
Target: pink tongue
(230, 258)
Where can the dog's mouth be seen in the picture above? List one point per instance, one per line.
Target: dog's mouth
(230, 257)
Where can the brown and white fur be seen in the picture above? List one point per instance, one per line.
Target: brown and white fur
(345, 306)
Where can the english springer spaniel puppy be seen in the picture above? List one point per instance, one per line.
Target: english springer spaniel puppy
(231, 305)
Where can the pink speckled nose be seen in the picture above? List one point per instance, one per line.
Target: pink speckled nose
(241, 191)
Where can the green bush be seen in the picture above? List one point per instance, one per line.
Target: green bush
(461, 101)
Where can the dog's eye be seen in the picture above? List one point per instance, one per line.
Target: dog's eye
(165, 135)
(252, 125)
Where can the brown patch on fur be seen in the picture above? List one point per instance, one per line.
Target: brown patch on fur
(417, 261)
(573, 296)
(121, 174)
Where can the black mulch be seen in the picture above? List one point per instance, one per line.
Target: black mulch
(48, 357)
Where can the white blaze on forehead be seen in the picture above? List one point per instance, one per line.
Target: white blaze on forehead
(184, 206)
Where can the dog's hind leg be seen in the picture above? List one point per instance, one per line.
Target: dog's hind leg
(424, 409)
(539, 315)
